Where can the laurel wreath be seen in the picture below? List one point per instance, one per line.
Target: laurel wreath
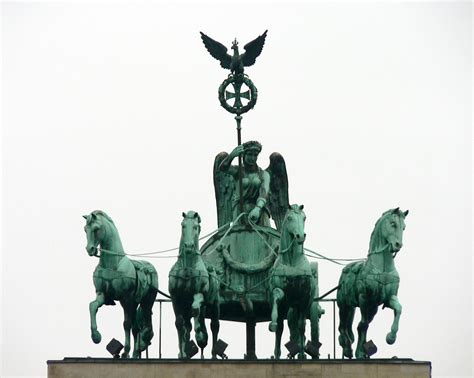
(253, 94)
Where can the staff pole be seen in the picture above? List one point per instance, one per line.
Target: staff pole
(238, 119)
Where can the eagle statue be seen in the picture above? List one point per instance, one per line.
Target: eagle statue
(236, 62)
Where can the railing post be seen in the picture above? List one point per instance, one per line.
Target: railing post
(159, 338)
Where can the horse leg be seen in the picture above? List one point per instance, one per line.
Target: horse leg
(301, 322)
(142, 327)
(201, 338)
(346, 336)
(129, 317)
(367, 311)
(294, 326)
(279, 332)
(93, 307)
(395, 305)
(215, 327)
(179, 324)
(314, 315)
(277, 296)
(202, 322)
(186, 335)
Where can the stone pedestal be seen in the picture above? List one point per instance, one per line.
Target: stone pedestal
(164, 368)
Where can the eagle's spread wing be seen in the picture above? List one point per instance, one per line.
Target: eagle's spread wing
(253, 49)
(278, 201)
(217, 50)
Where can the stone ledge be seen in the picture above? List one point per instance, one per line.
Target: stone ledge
(172, 368)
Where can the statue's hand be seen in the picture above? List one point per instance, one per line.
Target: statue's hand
(239, 150)
(254, 215)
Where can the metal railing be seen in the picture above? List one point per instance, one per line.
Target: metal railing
(333, 300)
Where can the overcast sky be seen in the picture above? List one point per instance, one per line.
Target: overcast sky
(115, 107)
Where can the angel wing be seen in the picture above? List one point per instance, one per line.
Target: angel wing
(253, 49)
(217, 50)
(278, 200)
(224, 187)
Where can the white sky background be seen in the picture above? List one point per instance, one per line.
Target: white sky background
(114, 107)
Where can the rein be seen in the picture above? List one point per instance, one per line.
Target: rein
(381, 250)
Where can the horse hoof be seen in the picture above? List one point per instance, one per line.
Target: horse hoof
(391, 337)
(272, 327)
(349, 355)
(125, 355)
(96, 337)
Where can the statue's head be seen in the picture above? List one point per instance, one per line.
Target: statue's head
(251, 151)
(235, 45)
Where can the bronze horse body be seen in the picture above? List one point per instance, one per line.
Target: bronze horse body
(116, 277)
(292, 283)
(194, 289)
(371, 283)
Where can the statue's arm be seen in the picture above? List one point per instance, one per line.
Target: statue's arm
(226, 166)
(264, 190)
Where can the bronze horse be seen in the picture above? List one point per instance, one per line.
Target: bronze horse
(194, 289)
(116, 277)
(368, 284)
(292, 283)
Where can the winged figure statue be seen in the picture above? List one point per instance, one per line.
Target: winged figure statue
(264, 192)
(236, 62)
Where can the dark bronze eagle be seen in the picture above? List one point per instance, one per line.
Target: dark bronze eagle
(236, 62)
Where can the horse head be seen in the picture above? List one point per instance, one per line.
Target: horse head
(95, 231)
(390, 228)
(292, 231)
(293, 225)
(190, 230)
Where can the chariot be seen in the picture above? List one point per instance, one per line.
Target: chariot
(247, 271)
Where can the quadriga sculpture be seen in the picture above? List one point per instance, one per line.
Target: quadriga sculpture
(193, 288)
(116, 277)
(292, 283)
(371, 283)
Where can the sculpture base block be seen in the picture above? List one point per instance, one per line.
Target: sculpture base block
(166, 368)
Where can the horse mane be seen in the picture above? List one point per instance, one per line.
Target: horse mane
(103, 214)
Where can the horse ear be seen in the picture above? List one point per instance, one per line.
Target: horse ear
(405, 213)
(397, 210)
(301, 207)
(93, 215)
(85, 217)
(196, 215)
(184, 214)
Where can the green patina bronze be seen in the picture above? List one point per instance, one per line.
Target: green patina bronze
(292, 282)
(248, 271)
(245, 248)
(244, 251)
(236, 63)
(194, 289)
(133, 283)
(371, 283)
(264, 193)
